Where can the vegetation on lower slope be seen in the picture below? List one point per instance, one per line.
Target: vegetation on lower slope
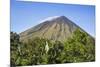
(78, 48)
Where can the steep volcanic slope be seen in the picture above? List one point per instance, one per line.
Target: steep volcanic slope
(58, 28)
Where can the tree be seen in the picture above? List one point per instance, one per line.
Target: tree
(80, 47)
(55, 52)
(14, 40)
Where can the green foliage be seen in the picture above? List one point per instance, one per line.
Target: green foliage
(55, 52)
(78, 48)
(14, 48)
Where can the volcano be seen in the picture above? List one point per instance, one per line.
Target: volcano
(54, 28)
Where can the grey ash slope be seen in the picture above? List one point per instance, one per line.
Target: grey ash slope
(59, 28)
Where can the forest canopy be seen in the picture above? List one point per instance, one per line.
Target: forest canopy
(78, 48)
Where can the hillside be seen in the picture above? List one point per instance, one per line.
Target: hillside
(55, 28)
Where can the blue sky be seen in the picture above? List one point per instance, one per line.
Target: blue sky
(25, 15)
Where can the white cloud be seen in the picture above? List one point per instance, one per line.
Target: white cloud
(49, 18)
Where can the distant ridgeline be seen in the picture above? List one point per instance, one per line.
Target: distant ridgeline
(55, 40)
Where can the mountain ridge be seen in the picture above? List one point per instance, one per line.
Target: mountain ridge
(58, 28)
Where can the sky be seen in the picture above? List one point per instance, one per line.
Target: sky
(25, 15)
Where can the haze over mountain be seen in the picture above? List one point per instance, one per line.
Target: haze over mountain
(53, 28)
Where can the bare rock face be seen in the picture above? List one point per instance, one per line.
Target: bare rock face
(55, 28)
